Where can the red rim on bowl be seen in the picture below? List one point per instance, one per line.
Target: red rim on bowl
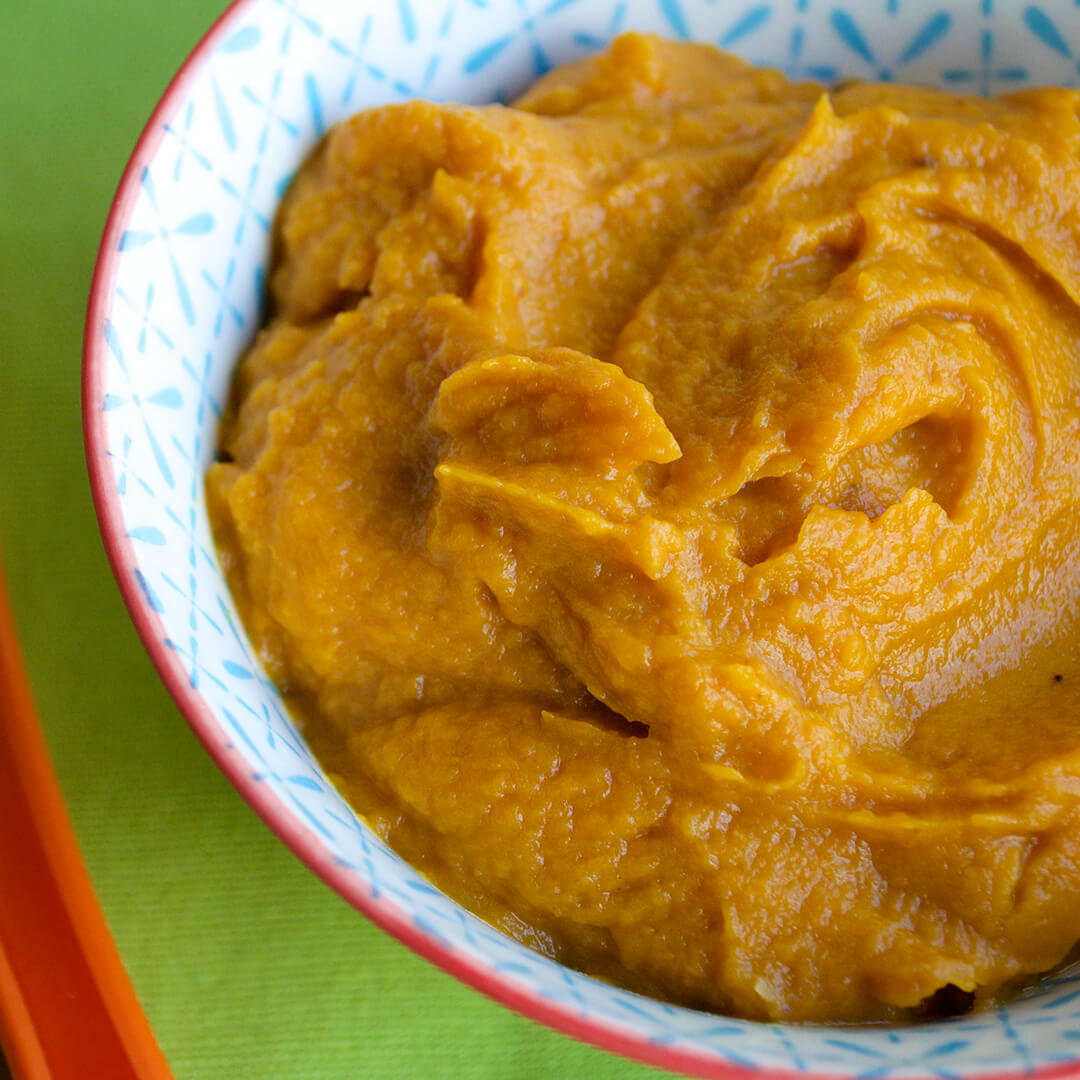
(380, 909)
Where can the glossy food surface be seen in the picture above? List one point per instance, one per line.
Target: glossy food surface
(658, 499)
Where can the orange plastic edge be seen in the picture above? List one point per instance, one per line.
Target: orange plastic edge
(67, 1007)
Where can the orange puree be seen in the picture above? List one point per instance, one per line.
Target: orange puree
(659, 501)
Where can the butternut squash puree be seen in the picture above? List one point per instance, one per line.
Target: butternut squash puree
(659, 499)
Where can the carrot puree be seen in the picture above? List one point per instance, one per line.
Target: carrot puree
(658, 501)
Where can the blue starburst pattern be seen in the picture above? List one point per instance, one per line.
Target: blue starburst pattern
(987, 74)
(1057, 32)
(849, 29)
(186, 297)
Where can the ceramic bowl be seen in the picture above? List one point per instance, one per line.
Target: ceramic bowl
(176, 296)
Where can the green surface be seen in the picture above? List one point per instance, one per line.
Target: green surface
(246, 964)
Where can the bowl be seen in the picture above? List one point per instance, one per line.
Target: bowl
(178, 293)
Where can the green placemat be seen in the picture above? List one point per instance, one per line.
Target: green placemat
(246, 964)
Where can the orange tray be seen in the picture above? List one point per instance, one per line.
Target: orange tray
(67, 1008)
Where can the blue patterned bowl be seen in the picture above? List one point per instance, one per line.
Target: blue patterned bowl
(176, 297)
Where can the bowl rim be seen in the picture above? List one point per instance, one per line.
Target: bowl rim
(348, 883)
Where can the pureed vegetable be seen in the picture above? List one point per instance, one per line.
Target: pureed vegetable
(658, 500)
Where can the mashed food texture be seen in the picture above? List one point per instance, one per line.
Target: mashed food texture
(658, 500)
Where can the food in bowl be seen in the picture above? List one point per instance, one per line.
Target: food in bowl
(657, 500)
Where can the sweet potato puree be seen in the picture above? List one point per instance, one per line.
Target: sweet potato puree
(659, 501)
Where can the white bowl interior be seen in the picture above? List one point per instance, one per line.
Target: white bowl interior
(185, 299)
